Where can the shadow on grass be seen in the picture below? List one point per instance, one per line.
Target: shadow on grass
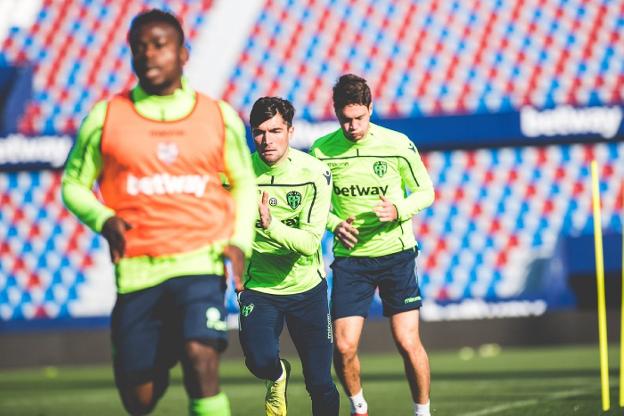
(78, 384)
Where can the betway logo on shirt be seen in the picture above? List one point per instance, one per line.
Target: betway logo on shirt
(357, 190)
(165, 184)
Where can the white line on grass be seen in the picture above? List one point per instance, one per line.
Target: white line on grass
(525, 403)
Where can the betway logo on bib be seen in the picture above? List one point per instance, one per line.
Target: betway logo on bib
(165, 184)
(357, 190)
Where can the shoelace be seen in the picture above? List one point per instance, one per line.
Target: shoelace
(273, 399)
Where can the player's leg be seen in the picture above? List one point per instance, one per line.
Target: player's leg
(261, 324)
(347, 332)
(406, 336)
(309, 324)
(400, 294)
(199, 304)
(141, 358)
(352, 294)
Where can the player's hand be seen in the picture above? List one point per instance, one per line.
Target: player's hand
(237, 262)
(265, 212)
(114, 231)
(347, 233)
(385, 210)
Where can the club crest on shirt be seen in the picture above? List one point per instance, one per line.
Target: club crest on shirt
(380, 168)
(167, 152)
(293, 198)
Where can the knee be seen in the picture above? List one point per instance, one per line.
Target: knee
(200, 357)
(345, 347)
(322, 390)
(141, 399)
(408, 345)
(262, 365)
(138, 404)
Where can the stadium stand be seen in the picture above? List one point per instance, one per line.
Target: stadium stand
(498, 210)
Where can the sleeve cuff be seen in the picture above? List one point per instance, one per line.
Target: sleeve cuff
(99, 222)
(332, 222)
(245, 248)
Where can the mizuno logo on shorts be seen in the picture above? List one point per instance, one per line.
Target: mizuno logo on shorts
(165, 184)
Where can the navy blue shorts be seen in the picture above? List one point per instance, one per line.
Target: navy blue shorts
(149, 327)
(356, 278)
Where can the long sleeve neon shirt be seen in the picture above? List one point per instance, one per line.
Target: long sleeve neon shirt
(387, 163)
(287, 256)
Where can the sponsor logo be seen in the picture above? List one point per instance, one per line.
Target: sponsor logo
(247, 310)
(357, 190)
(337, 165)
(412, 147)
(411, 300)
(167, 152)
(290, 222)
(380, 168)
(272, 201)
(214, 321)
(566, 120)
(294, 199)
(52, 150)
(166, 132)
(330, 332)
(165, 184)
(327, 176)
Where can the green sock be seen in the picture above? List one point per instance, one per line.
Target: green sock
(218, 405)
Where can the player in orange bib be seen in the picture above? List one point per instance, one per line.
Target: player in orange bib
(157, 153)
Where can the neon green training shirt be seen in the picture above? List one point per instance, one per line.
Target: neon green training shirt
(384, 162)
(85, 164)
(286, 257)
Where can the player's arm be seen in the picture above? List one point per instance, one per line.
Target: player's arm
(414, 175)
(306, 239)
(240, 178)
(342, 229)
(82, 169)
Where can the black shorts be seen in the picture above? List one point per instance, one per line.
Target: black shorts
(356, 278)
(149, 327)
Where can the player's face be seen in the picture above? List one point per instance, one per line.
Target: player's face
(158, 58)
(354, 120)
(271, 139)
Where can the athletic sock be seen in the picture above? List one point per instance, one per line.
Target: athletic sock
(218, 405)
(422, 409)
(283, 376)
(358, 403)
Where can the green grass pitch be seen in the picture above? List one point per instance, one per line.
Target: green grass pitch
(512, 381)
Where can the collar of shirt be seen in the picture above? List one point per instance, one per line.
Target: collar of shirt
(261, 168)
(364, 141)
(165, 107)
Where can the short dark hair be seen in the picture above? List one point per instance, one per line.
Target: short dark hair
(351, 89)
(152, 16)
(266, 108)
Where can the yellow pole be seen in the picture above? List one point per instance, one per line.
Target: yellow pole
(602, 313)
(622, 316)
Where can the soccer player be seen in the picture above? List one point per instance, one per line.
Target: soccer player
(374, 246)
(285, 280)
(157, 152)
